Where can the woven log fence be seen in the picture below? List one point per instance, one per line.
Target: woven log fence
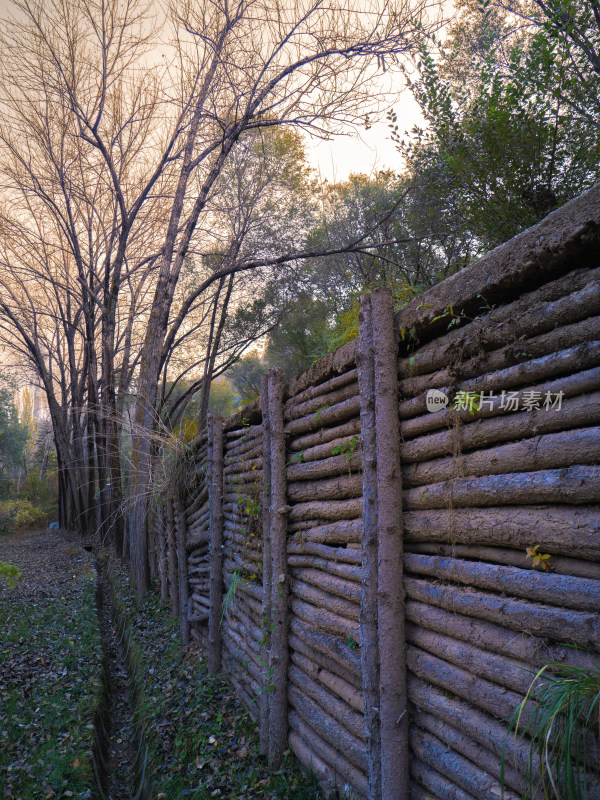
(356, 559)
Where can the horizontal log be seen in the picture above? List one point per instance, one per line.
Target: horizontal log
(328, 728)
(575, 385)
(342, 747)
(435, 783)
(577, 485)
(462, 772)
(325, 418)
(499, 669)
(347, 572)
(197, 518)
(348, 447)
(239, 648)
(340, 688)
(494, 637)
(343, 554)
(349, 590)
(197, 501)
(564, 591)
(199, 554)
(511, 558)
(197, 619)
(337, 363)
(576, 627)
(339, 711)
(337, 771)
(476, 754)
(333, 465)
(339, 532)
(319, 389)
(246, 431)
(299, 410)
(418, 792)
(246, 693)
(237, 464)
(513, 352)
(325, 620)
(547, 451)
(496, 700)
(331, 666)
(566, 362)
(477, 725)
(235, 562)
(196, 541)
(321, 599)
(328, 511)
(562, 301)
(331, 646)
(342, 487)
(312, 763)
(241, 445)
(559, 530)
(330, 434)
(577, 413)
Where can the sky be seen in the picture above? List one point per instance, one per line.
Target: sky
(366, 151)
(363, 151)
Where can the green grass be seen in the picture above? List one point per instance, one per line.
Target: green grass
(562, 727)
(201, 742)
(50, 687)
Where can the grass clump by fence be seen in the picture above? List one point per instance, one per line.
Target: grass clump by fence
(50, 689)
(565, 730)
(200, 741)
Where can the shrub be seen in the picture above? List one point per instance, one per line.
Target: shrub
(17, 514)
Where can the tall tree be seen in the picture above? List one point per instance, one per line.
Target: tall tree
(118, 133)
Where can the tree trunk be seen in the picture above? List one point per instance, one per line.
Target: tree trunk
(215, 491)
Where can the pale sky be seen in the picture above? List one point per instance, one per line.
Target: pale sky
(365, 151)
(368, 151)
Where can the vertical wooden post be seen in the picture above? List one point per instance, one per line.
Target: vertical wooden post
(162, 550)
(266, 568)
(369, 647)
(390, 579)
(173, 571)
(215, 500)
(278, 660)
(182, 572)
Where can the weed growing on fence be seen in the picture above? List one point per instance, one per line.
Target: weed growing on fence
(561, 726)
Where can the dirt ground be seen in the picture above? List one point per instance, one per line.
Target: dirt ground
(47, 561)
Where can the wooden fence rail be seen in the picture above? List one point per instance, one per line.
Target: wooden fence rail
(380, 576)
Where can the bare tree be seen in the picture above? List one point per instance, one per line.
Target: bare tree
(119, 131)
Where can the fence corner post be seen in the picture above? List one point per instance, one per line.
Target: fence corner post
(215, 494)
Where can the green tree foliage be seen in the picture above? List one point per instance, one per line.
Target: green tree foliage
(222, 398)
(13, 439)
(503, 146)
(245, 375)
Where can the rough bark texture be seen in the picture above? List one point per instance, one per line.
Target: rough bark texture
(369, 644)
(215, 431)
(182, 575)
(266, 561)
(390, 585)
(278, 655)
